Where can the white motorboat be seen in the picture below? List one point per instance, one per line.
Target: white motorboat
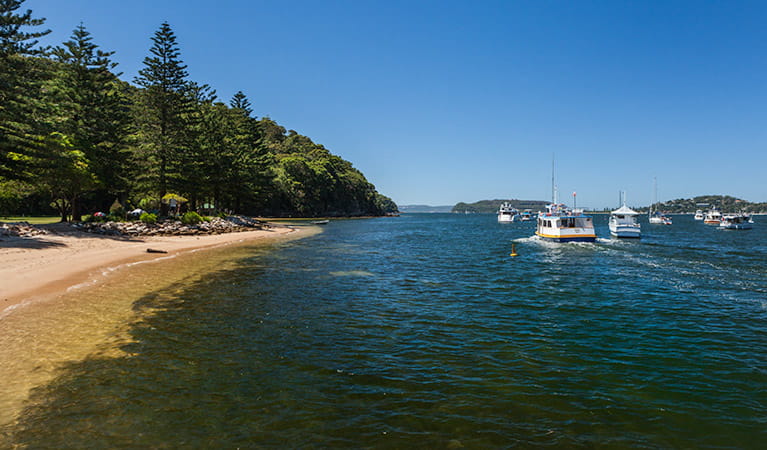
(713, 217)
(507, 213)
(736, 222)
(623, 223)
(699, 215)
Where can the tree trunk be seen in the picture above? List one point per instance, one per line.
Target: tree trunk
(76, 214)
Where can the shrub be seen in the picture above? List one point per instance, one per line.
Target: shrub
(148, 218)
(117, 210)
(191, 218)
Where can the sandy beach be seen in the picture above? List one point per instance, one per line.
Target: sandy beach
(47, 265)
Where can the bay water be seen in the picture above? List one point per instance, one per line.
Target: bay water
(423, 332)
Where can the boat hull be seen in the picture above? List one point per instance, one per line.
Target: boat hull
(568, 238)
(626, 232)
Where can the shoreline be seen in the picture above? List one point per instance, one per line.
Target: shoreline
(49, 265)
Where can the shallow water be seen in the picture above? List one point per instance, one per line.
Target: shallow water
(422, 331)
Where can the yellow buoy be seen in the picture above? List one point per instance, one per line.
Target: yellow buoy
(513, 250)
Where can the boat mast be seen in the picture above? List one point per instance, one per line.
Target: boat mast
(553, 187)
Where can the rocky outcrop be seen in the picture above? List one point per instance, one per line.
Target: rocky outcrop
(230, 224)
(20, 229)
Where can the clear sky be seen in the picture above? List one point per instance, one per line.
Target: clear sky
(438, 102)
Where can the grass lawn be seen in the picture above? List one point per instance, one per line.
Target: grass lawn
(35, 220)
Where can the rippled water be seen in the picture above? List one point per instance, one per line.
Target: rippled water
(421, 331)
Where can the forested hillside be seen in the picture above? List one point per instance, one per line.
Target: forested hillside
(724, 203)
(77, 138)
(491, 206)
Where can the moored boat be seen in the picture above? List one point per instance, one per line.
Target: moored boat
(713, 217)
(656, 216)
(699, 215)
(507, 213)
(623, 223)
(561, 224)
(736, 222)
(526, 216)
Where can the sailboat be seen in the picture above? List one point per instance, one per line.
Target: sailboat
(655, 216)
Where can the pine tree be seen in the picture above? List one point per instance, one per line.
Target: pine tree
(194, 160)
(19, 78)
(240, 101)
(161, 109)
(93, 112)
(14, 41)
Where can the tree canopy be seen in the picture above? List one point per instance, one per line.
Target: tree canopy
(77, 138)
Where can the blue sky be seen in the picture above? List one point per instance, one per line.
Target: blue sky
(438, 102)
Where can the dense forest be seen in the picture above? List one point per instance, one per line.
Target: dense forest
(75, 138)
(723, 203)
(491, 206)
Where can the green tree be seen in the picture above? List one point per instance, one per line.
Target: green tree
(161, 114)
(66, 174)
(92, 110)
(19, 90)
(241, 102)
(237, 169)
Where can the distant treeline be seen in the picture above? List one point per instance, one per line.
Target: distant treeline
(723, 203)
(491, 206)
(75, 137)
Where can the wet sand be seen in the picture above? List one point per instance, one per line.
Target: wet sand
(44, 266)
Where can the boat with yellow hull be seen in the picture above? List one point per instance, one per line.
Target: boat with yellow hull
(561, 224)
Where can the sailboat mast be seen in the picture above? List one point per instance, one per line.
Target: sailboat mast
(553, 188)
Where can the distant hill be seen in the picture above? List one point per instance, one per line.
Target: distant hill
(424, 209)
(491, 206)
(724, 203)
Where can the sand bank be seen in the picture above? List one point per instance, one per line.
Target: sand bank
(47, 265)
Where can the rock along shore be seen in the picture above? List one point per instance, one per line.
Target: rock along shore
(230, 224)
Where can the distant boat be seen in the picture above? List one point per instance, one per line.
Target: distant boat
(526, 216)
(319, 222)
(656, 216)
(623, 223)
(736, 222)
(507, 213)
(699, 215)
(713, 217)
(561, 224)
